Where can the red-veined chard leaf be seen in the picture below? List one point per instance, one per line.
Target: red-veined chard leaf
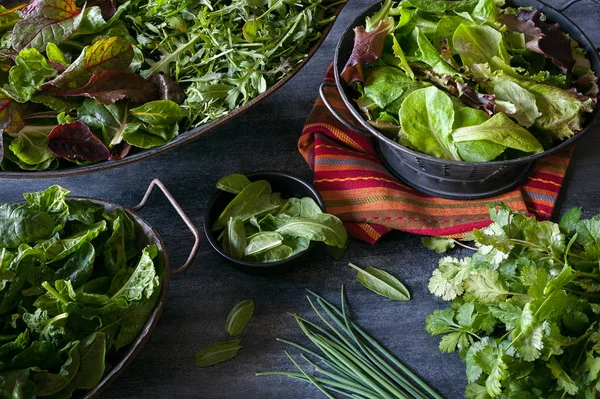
(76, 140)
(46, 21)
(9, 17)
(114, 53)
(11, 118)
(108, 87)
(542, 37)
(368, 47)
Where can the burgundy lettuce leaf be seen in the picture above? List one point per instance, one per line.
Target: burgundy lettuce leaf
(168, 89)
(588, 85)
(107, 87)
(446, 53)
(119, 151)
(368, 47)
(108, 7)
(76, 140)
(541, 37)
(11, 116)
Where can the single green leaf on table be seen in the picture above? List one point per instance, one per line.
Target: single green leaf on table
(217, 353)
(233, 183)
(239, 317)
(381, 283)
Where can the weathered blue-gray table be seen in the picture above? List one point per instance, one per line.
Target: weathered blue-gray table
(199, 300)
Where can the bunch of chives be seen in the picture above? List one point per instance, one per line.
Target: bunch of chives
(352, 364)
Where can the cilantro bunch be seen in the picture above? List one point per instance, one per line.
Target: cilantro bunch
(525, 307)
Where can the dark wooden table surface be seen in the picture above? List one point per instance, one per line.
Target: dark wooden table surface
(199, 300)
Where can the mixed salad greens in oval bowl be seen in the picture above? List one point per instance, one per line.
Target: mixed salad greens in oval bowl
(470, 80)
(88, 82)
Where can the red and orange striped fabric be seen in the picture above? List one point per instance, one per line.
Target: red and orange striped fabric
(358, 189)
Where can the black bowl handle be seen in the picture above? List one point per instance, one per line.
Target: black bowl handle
(570, 3)
(333, 111)
(184, 217)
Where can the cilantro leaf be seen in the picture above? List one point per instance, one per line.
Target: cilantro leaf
(487, 286)
(438, 244)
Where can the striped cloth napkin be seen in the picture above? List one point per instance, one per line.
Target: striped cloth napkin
(357, 187)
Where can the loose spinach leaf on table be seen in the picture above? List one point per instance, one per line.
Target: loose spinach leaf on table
(217, 353)
(239, 317)
(260, 226)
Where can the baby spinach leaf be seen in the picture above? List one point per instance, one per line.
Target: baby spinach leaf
(500, 129)
(239, 317)
(49, 383)
(262, 241)
(236, 237)
(107, 87)
(84, 211)
(92, 351)
(147, 136)
(27, 76)
(142, 282)
(79, 267)
(217, 353)
(244, 205)
(275, 254)
(16, 384)
(382, 283)
(302, 207)
(76, 140)
(297, 244)
(46, 21)
(112, 120)
(272, 223)
(20, 224)
(323, 227)
(52, 201)
(233, 183)
(58, 248)
(114, 53)
(427, 116)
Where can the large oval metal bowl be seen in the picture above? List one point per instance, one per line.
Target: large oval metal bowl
(448, 178)
(183, 138)
(146, 235)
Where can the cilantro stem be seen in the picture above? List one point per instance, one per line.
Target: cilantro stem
(465, 245)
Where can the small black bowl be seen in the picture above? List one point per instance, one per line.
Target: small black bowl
(289, 186)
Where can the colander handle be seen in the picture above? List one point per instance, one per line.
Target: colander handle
(328, 85)
(572, 2)
(182, 215)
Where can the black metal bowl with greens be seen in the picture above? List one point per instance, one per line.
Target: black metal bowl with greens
(266, 221)
(79, 282)
(445, 174)
(470, 80)
(91, 85)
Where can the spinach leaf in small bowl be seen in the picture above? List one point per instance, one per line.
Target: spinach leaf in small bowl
(265, 220)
